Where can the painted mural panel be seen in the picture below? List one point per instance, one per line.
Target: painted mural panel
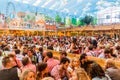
(109, 15)
(36, 14)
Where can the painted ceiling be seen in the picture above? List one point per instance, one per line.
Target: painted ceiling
(72, 8)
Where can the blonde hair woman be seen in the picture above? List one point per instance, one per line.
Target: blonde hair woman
(28, 74)
(78, 72)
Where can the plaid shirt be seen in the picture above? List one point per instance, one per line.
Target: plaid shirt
(29, 66)
(57, 74)
(51, 63)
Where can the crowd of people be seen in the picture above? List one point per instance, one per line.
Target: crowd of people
(28, 58)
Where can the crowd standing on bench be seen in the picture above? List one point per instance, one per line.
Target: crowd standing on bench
(28, 58)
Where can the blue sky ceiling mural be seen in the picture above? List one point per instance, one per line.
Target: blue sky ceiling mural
(34, 13)
(71, 8)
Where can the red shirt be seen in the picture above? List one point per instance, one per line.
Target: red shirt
(51, 63)
(29, 66)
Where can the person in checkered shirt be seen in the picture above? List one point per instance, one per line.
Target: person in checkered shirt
(51, 61)
(60, 72)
